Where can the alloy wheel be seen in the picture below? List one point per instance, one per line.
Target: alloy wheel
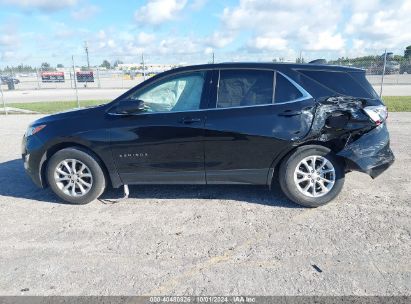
(314, 176)
(73, 177)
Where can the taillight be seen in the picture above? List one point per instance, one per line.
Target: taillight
(377, 113)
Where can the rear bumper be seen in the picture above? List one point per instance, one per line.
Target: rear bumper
(371, 153)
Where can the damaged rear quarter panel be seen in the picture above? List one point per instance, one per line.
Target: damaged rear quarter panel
(341, 124)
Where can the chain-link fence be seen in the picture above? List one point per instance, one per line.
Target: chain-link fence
(389, 74)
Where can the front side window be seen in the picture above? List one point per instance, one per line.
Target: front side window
(245, 88)
(177, 93)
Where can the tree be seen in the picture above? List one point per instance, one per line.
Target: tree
(60, 65)
(117, 62)
(106, 64)
(45, 66)
(407, 52)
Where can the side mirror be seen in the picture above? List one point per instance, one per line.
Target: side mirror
(129, 106)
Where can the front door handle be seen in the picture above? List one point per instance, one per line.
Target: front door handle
(190, 120)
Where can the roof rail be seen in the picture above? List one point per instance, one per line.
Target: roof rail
(318, 61)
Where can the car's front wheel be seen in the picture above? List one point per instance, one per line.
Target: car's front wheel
(75, 176)
(311, 176)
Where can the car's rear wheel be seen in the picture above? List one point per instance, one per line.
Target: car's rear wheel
(75, 176)
(311, 176)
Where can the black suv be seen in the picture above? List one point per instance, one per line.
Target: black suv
(234, 123)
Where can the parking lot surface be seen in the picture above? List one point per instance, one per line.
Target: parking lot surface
(215, 240)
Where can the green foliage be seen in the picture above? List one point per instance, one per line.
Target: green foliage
(19, 69)
(45, 66)
(407, 52)
(106, 64)
(398, 103)
(48, 107)
(117, 62)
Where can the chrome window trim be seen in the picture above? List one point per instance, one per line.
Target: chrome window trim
(305, 96)
(274, 85)
(212, 109)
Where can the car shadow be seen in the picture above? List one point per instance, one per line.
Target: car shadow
(14, 182)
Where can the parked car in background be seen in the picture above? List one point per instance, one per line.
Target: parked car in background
(405, 68)
(391, 67)
(304, 125)
(7, 79)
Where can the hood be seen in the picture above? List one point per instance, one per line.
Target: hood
(70, 114)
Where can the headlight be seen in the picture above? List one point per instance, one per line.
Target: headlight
(33, 130)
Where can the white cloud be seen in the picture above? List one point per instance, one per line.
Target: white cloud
(62, 31)
(43, 5)
(101, 34)
(248, 29)
(198, 4)
(156, 12)
(7, 55)
(268, 43)
(85, 12)
(276, 24)
(317, 25)
(220, 39)
(145, 38)
(382, 26)
(9, 40)
(324, 41)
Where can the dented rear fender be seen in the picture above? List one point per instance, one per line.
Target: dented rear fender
(342, 124)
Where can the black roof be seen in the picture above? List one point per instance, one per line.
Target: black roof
(270, 65)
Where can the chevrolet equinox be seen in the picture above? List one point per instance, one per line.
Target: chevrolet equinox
(305, 125)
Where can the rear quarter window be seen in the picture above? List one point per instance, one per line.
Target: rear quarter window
(342, 82)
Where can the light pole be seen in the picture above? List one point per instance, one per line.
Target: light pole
(86, 49)
(75, 83)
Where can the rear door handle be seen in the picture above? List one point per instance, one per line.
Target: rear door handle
(190, 120)
(287, 113)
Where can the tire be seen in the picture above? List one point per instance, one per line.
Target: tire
(293, 184)
(89, 181)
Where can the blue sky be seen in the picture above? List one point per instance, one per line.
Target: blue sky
(189, 31)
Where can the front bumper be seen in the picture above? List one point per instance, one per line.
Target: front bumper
(33, 158)
(371, 153)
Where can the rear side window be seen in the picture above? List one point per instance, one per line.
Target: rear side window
(239, 88)
(340, 82)
(285, 90)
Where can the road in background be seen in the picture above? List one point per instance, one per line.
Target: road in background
(61, 95)
(215, 240)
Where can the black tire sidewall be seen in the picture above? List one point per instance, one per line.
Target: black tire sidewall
(287, 176)
(90, 161)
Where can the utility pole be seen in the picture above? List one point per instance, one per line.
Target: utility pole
(383, 71)
(75, 83)
(2, 98)
(144, 66)
(86, 49)
(213, 57)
